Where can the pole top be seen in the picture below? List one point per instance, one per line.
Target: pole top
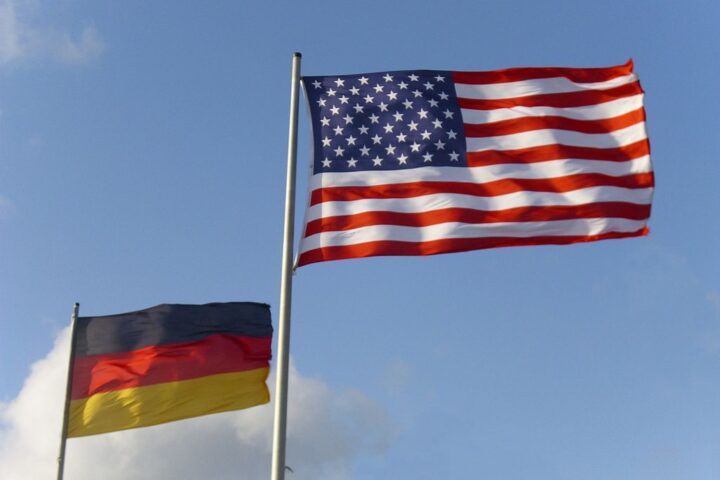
(297, 54)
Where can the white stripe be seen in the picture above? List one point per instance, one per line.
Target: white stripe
(600, 111)
(576, 227)
(540, 86)
(536, 138)
(547, 169)
(640, 196)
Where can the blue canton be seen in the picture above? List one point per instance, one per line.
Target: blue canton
(385, 121)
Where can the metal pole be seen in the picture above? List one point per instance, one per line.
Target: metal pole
(283, 354)
(66, 411)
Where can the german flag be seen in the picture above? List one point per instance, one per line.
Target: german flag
(167, 363)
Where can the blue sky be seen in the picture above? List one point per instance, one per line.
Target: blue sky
(142, 161)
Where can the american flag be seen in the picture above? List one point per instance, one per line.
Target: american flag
(426, 162)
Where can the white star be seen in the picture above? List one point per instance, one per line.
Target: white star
(348, 119)
(374, 118)
(363, 80)
(427, 157)
(448, 113)
(425, 135)
(415, 147)
(352, 162)
(338, 130)
(422, 113)
(368, 99)
(454, 156)
(383, 107)
(402, 85)
(326, 141)
(317, 84)
(377, 161)
(321, 102)
(325, 122)
(408, 104)
(331, 92)
(417, 93)
(440, 145)
(413, 78)
(355, 90)
(412, 126)
(358, 108)
(398, 116)
(326, 163)
(437, 123)
(334, 110)
(433, 103)
(428, 86)
(363, 130)
(364, 151)
(392, 95)
(443, 96)
(350, 140)
(376, 139)
(388, 77)
(440, 78)
(340, 82)
(343, 100)
(388, 128)
(339, 151)
(401, 137)
(402, 159)
(390, 150)
(452, 134)
(378, 88)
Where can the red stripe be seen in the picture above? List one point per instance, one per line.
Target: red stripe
(559, 100)
(557, 152)
(168, 363)
(526, 124)
(580, 75)
(489, 189)
(383, 248)
(630, 211)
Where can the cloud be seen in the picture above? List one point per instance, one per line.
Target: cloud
(19, 40)
(328, 432)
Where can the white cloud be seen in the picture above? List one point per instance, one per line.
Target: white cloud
(20, 40)
(328, 431)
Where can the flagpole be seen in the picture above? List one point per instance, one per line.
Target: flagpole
(283, 353)
(68, 386)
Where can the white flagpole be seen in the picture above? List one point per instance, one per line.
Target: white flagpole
(283, 353)
(68, 386)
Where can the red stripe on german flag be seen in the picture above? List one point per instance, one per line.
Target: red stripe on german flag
(168, 363)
